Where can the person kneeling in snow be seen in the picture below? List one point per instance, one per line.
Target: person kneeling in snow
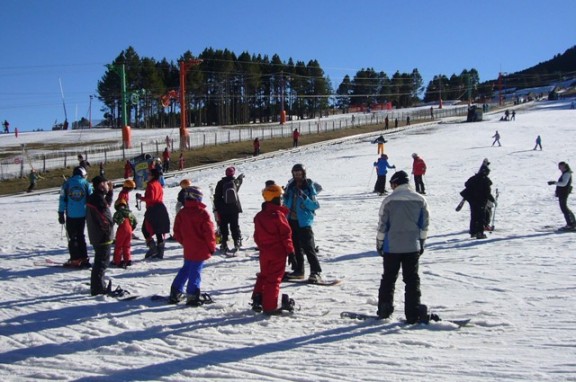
(273, 236)
(194, 229)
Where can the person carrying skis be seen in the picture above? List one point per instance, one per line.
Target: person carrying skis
(563, 189)
(99, 222)
(300, 199)
(194, 230)
(402, 231)
(72, 213)
(477, 193)
(228, 207)
(126, 222)
(418, 170)
(156, 219)
(273, 236)
(382, 167)
(33, 178)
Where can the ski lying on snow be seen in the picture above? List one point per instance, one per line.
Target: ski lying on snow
(305, 281)
(364, 317)
(52, 263)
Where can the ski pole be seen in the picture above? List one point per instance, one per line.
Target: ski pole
(495, 206)
(370, 180)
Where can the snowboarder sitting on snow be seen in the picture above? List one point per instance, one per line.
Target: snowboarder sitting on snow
(194, 230)
(99, 222)
(563, 189)
(273, 236)
(126, 222)
(477, 193)
(402, 231)
(382, 167)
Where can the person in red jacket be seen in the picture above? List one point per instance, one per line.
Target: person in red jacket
(126, 222)
(156, 219)
(273, 236)
(128, 170)
(295, 137)
(194, 230)
(418, 169)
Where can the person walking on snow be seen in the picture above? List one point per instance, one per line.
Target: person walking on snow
(194, 230)
(477, 193)
(156, 219)
(273, 236)
(126, 222)
(72, 212)
(382, 167)
(496, 137)
(295, 137)
(402, 231)
(419, 170)
(33, 178)
(300, 199)
(563, 189)
(228, 207)
(538, 143)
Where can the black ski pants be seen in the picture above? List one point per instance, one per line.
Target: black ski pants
(230, 219)
(392, 264)
(380, 185)
(304, 244)
(568, 215)
(477, 218)
(76, 239)
(99, 266)
(419, 184)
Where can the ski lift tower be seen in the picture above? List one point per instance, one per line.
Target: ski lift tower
(185, 65)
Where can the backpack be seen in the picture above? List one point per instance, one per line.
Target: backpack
(229, 192)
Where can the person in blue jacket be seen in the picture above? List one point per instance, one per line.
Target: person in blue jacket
(382, 167)
(72, 212)
(300, 199)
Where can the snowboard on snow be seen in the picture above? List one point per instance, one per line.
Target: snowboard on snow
(305, 281)
(434, 318)
(554, 229)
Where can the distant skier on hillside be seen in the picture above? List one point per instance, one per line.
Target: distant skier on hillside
(496, 137)
(380, 141)
(538, 143)
(563, 189)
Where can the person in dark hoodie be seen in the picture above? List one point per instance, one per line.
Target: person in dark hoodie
(477, 193)
(228, 206)
(99, 222)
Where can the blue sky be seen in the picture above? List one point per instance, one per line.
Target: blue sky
(45, 41)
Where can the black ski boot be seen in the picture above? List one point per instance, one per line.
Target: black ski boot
(152, 249)
(194, 300)
(160, 251)
(175, 296)
(287, 303)
(385, 310)
(257, 303)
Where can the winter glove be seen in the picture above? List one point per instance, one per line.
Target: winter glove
(241, 176)
(291, 259)
(421, 246)
(138, 196)
(61, 218)
(551, 182)
(379, 247)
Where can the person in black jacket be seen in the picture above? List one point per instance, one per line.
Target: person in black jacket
(563, 189)
(477, 193)
(99, 222)
(228, 208)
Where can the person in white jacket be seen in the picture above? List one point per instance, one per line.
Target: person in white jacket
(402, 230)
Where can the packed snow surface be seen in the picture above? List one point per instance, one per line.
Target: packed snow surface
(517, 286)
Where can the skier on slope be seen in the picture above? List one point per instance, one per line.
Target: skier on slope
(477, 193)
(419, 170)
(402, 231)
(273, 236)
(382, 167)
(72, 212)
(563, 189)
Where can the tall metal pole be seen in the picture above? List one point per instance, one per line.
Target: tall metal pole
(90, 113)
(184, 66)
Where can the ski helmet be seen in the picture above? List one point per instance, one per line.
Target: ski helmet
(193, 193)
(399, 177)
(271, 192)
(78, 170)
(185, 183)
(129, 183)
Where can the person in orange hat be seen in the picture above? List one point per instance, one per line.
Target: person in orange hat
(273, 235)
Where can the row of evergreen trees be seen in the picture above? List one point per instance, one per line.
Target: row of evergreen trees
(226, 89)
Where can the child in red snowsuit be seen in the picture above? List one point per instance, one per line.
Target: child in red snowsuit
(126, 222)
(273, 236)
(127, 186)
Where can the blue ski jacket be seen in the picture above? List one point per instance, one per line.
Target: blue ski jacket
(73, 195)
